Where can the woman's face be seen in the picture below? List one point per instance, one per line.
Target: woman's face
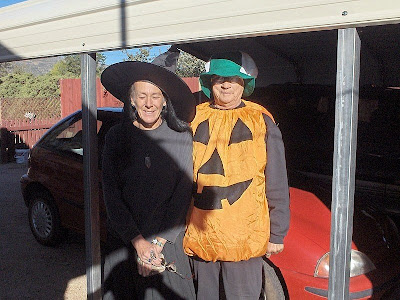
(227, 91)
(149, 102)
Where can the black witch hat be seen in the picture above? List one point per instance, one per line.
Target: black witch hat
(118, 78)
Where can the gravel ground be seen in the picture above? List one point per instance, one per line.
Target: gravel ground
(29, 270)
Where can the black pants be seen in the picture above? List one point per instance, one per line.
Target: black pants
(241, 280)
(122, 280)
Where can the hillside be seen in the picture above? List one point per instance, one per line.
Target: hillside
(37, 66)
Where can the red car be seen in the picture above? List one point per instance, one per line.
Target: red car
(304, 264)
(53, 192)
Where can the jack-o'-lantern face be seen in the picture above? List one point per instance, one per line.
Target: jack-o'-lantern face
(211, 196)
(226, 160)
(229, 220)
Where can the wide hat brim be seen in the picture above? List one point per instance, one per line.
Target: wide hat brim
(118, 78)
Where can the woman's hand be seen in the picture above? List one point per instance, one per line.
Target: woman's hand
(148, 253)
(163, 241)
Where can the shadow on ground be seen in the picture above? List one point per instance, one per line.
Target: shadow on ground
(29, 270)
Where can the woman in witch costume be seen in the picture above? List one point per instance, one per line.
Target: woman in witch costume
(147, 184)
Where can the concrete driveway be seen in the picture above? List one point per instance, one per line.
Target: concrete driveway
(29, 270)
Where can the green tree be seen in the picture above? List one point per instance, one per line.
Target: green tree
(142, 54)
(26, 85)
(14, 85)
(101, 63)
(70, 66)
(45, 86)
(189, 65)
(4, 68)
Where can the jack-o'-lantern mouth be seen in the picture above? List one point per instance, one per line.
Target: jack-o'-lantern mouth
(211, 196)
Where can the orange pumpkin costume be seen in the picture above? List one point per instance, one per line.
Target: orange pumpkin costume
(229, 220)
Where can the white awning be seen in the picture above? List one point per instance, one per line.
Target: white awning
(40, 28)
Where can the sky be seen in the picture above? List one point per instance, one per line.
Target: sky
(111, 56)
(118, 55)
(9, 2)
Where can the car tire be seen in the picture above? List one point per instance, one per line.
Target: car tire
(44, 219)
(271, 286)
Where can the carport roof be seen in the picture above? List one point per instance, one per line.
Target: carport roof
(380, 46)
(40, 28)
(383, 40)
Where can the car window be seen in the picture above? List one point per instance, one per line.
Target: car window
(67, 137)
(70, 139)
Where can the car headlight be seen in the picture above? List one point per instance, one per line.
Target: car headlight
(359, 264)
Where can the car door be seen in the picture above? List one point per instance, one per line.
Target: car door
(62, 170)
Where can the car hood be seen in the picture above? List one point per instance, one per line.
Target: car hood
(309, 233)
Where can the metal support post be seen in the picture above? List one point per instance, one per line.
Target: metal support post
(344, 162)
(91, 181)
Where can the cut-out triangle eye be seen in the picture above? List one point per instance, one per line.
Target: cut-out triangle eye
(202, 133)
(240, 133)
(213, 165)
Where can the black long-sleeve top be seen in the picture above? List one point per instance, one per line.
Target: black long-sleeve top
(147, 181)
(277, 189)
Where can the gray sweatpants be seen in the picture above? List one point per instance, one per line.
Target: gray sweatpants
(241, 280)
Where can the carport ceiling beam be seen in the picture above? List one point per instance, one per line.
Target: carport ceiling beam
(344, 162)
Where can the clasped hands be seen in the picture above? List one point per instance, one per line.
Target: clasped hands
(149, 254)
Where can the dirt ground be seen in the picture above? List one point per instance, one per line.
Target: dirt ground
(29, 270)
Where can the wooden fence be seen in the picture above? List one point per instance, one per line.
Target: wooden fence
(71, 99)
(24, 133)
(21, 134)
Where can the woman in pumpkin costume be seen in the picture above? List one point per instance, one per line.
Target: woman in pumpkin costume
(147, 184)
(241, 202)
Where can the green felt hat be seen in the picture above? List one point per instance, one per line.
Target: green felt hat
(230, 64)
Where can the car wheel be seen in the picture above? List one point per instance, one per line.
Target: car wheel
(44, 219)
(271, 286)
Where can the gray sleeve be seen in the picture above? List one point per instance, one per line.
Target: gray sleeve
(176, 213)
(277, 187)
(118, 215)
